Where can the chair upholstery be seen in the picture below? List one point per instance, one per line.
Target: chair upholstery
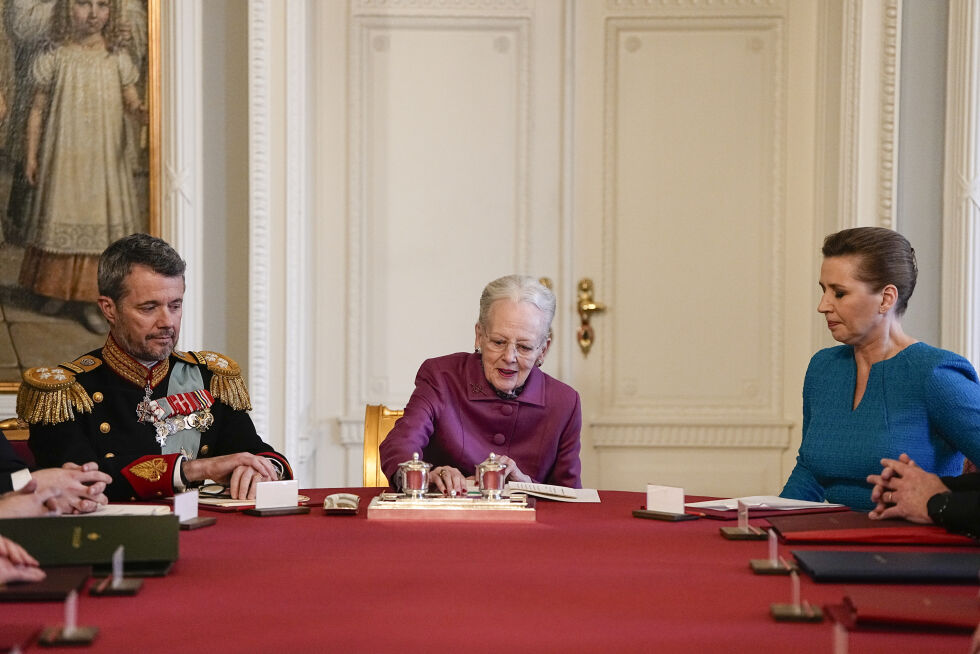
(378, 421)
(17, 434)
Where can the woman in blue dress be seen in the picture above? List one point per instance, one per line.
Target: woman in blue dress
(881, 392)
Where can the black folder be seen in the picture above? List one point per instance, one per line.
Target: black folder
(53, 588)
(888, 566)
(150, 541)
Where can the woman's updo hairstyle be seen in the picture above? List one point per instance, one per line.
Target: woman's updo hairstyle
(884, 257)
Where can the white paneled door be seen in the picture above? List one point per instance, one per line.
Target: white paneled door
(664, 150)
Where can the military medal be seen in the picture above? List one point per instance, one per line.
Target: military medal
(181, 411)
(143, 411)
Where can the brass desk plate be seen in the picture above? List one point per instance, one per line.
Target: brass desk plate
(767, 567)
(395, 506)
(796, 613)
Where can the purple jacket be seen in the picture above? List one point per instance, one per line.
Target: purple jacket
(454, 418)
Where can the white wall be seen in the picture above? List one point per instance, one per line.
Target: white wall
(225, 176)
(225, 56)
(922, 110)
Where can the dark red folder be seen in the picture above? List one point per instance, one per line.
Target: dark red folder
(856, 527)
(894, 609)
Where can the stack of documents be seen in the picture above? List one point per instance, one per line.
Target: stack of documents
(559, 493)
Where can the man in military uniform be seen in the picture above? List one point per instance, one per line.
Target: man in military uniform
(156, 419)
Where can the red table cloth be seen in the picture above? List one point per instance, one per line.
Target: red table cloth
(583, 578)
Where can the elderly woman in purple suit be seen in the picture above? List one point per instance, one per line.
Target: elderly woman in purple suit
(496, 399)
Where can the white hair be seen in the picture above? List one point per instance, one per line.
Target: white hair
(519, 288)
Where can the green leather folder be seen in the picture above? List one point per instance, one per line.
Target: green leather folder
(151, 542)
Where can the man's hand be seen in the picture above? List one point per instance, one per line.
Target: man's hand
(903, 489)
(82, 488)
(26, 503)
(16, 564)
(239, 472)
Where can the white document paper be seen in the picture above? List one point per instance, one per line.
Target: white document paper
(767, 502)
(126, 509)
(185, 505)
(559, 493)
(276, 494)
(667, 499)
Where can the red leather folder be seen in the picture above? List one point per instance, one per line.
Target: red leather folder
(732, 514)
(855, 527)
(895, 609)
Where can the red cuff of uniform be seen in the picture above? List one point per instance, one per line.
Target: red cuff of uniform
(152, 476)
(279, 462)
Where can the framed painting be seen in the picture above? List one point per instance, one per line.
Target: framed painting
(79, 165)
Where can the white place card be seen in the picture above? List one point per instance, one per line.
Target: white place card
(185, 505)
(276, 494)
(667, 499)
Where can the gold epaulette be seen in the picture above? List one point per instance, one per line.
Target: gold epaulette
(227, 384)
(83, 363)
(50, 396)
(186, 357)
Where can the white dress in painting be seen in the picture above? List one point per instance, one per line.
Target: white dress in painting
(85, 197)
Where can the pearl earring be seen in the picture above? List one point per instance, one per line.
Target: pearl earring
(478, 350)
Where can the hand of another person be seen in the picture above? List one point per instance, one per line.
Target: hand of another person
(82, 487)
(448, 479)
(26, 503)
(512, 472)
(16, 564)
(903, 489)
(240, 472)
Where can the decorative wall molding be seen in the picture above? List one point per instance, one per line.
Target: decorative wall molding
(961, 204)
(691, 435)
(260, 211)
(369, 37)
(182, 207)
(432, 6)
(767, 396)
(871, 50)
(299, 297)
(888, 146)
(715, 7)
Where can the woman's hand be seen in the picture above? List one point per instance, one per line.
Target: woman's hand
(512, 472)
(448, 480)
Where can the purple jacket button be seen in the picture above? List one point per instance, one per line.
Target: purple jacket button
(499, 439)
(506, 409)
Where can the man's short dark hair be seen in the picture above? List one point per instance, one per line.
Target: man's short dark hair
(118, 260)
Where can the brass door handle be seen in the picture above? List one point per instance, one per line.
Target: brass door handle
(586, 307)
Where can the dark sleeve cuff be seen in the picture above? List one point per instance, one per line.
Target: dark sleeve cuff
(957, 512)
(967, 482)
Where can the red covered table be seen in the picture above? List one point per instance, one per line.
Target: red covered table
(583, 578)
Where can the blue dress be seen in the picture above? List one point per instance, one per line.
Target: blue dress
(923, 401)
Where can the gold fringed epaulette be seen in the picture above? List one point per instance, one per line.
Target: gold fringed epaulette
(50, 396)
(227, 384)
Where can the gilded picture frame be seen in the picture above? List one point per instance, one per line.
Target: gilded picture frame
(79, 83)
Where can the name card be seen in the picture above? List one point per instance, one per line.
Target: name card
(668, 499)
(185, 505)
(276, 494)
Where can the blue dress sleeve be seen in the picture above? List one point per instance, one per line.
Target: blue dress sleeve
(802, 485)
(953, 401)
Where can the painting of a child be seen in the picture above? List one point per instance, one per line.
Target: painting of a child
(84, 195)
